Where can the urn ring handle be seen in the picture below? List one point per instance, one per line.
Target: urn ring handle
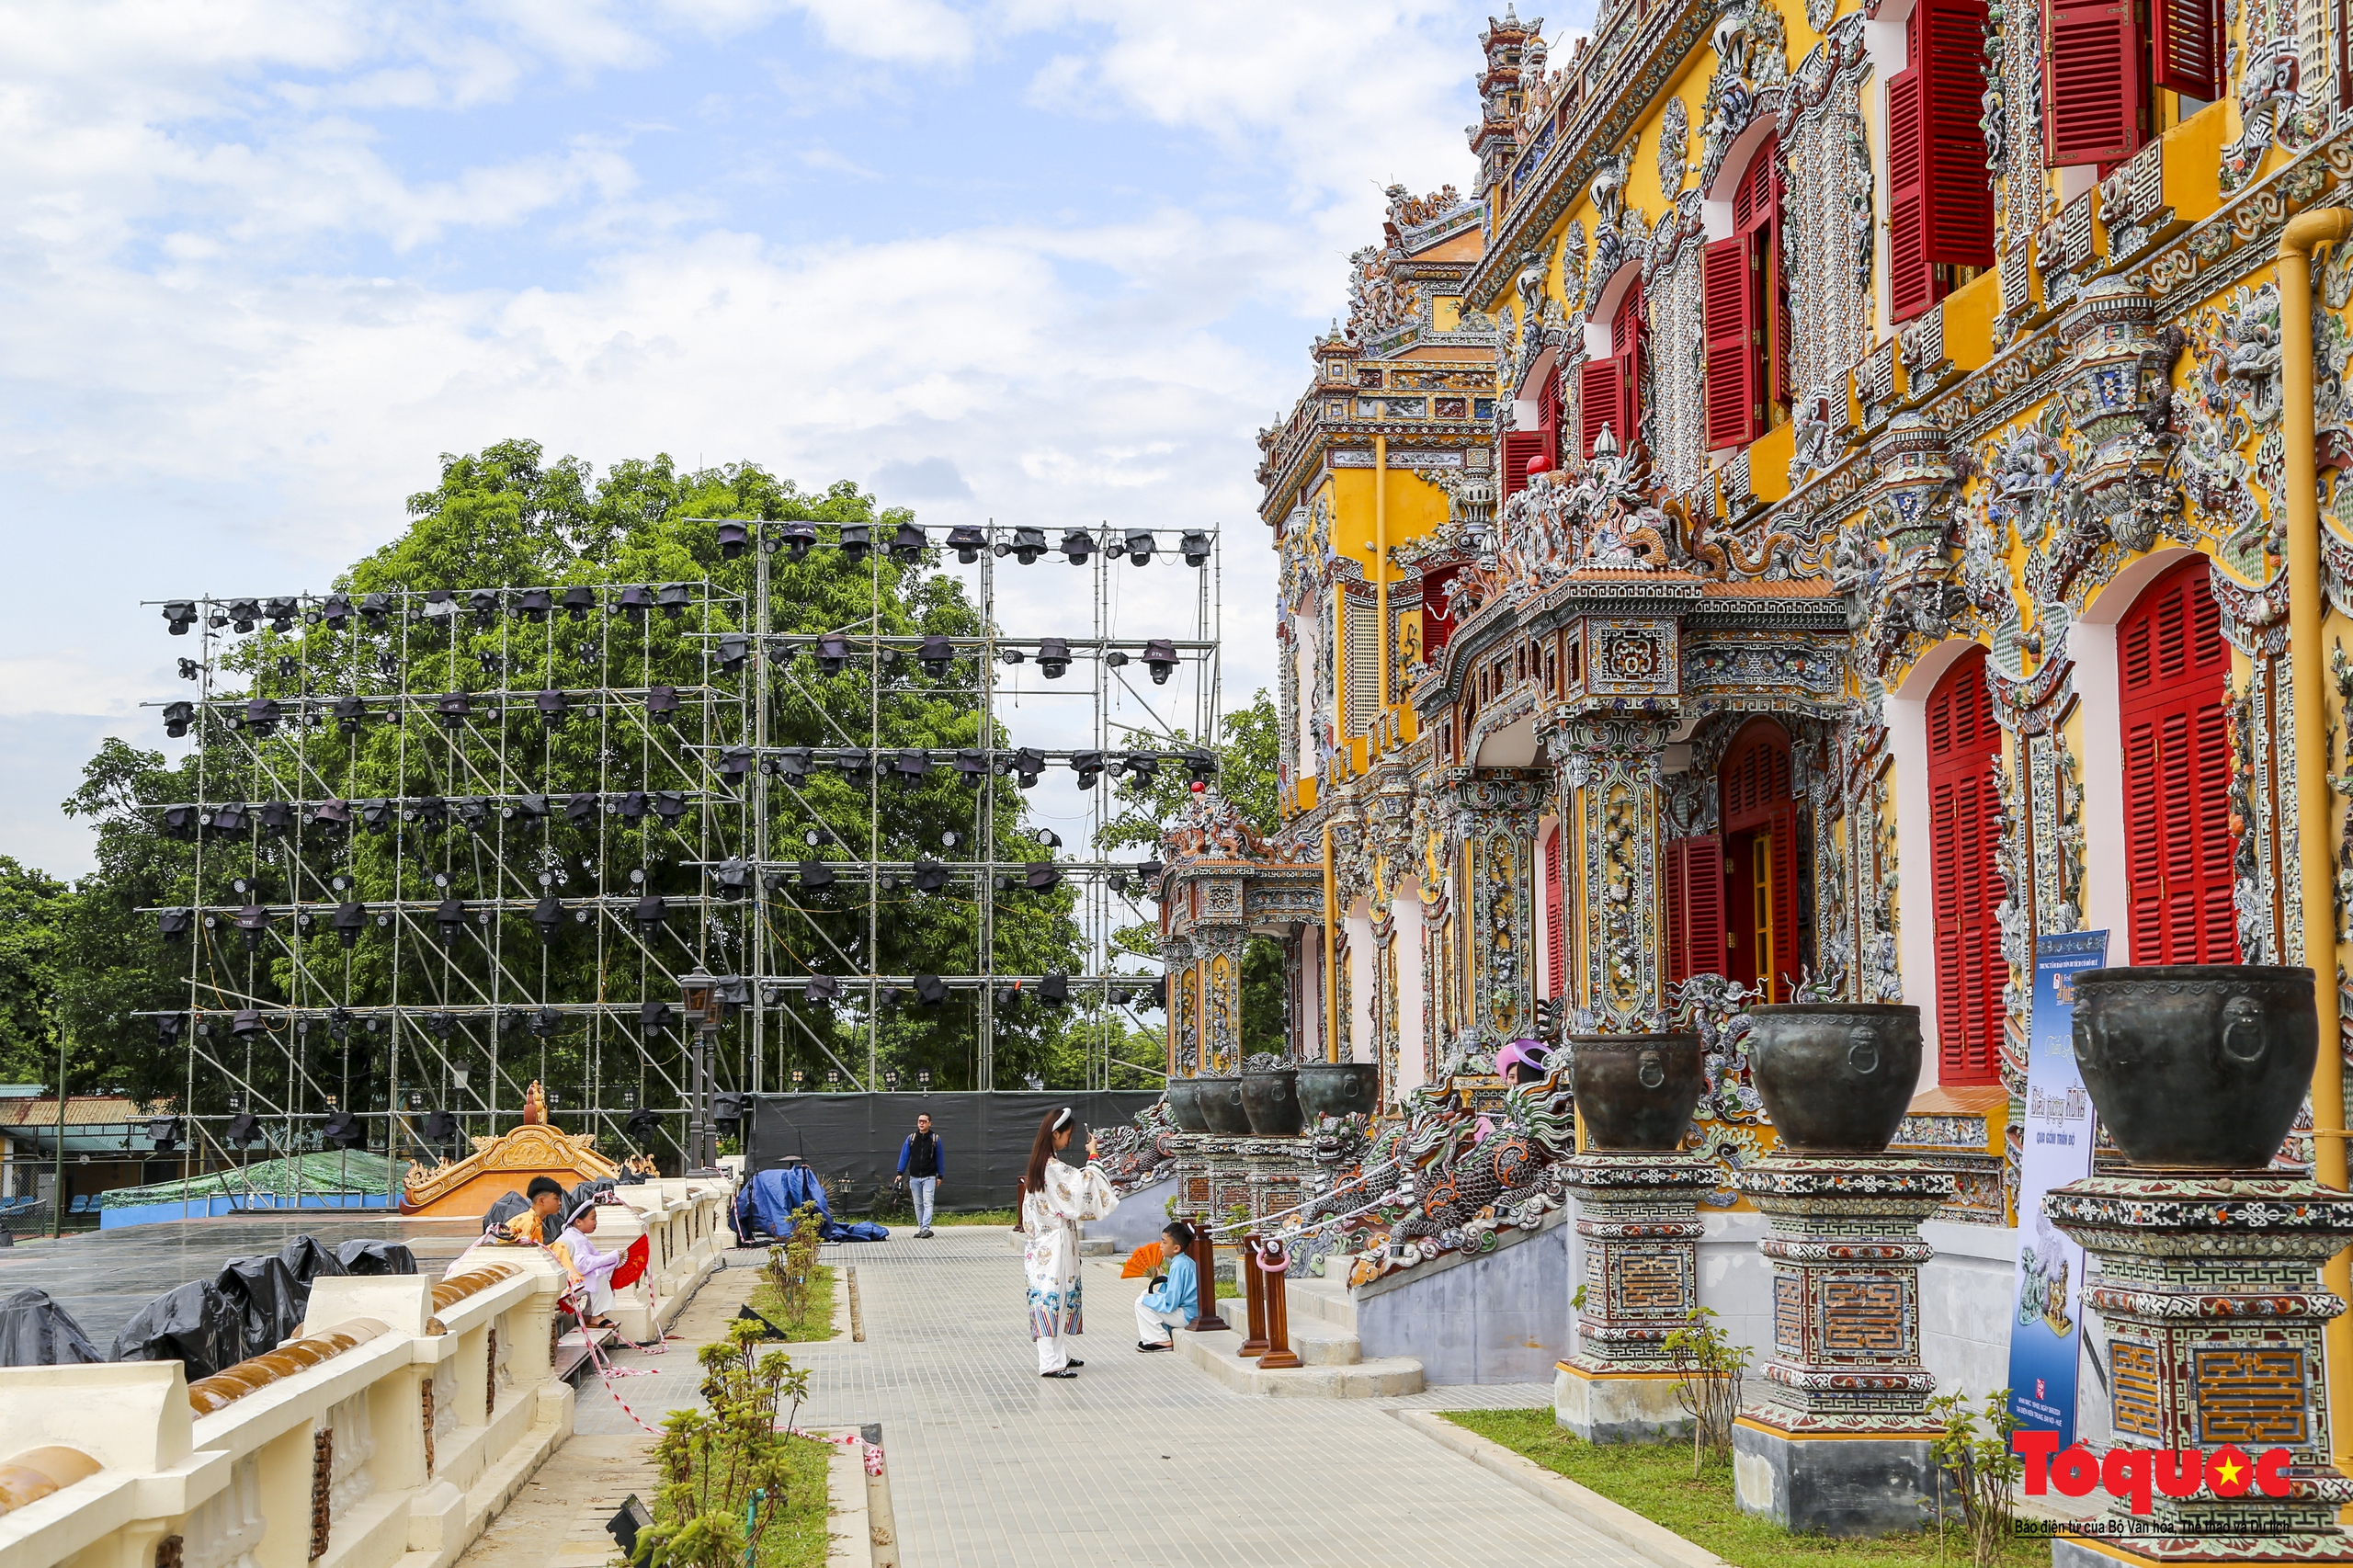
(1862, 1049)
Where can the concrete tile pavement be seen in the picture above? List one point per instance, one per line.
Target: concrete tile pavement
(1141, 1460)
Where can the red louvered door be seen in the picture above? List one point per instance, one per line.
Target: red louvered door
(2186, 44)
(1760, 838)
(1596, 401)
(1548, 420)
(1519, 447)
(1694, 874)
(1963, 830)
(1731, 378)
(2172, 666)
(1556, 918)
(1912, 278)
(1626, 353)
(2093, 83)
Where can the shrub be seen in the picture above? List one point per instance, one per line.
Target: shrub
(1978, 1459)
(1708, 1365)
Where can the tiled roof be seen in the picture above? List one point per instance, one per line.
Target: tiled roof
(81, 1110)
(1786, 588)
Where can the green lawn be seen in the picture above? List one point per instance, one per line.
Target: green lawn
(1655, 1481)
(896, 1217)
(816, 1319)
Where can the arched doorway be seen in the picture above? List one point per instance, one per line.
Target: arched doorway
(2171, 671)
(1759, 815)
(1965, 809)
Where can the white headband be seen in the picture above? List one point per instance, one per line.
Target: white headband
(1063, 1120)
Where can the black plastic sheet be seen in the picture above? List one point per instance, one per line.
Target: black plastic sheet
(375, 1258)
(36, 1332)
(194, 1323)
(307, 1258)
(852, 1141)
(267, 1299)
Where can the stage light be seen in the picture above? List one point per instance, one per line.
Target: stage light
(1151, 871)
(833, 652)
(662, 702)
(440, 1024)
(545, 1022)
(735, 762)
(821, 988)
(164, 1131)
(178, 616)
(734, 878)
(554, 707)
(908, 544)
(650, 912)
(430, 812)
(1078, 544)
(1200, 763)
(797, 537)
(1050, 838)
(815, 874)
(930, 990)
(547, 916)
(1054, 990)
(332, 816)
(1139, 547)
(243, 613)
(1026, 763)
(190, 669)
(1141, 764)
(484, 602)
(1011, 655)
(857, 764)
(375, 609)
(453, 709)
(177, 716)
(635, 600)
(938, 653)
(335, 610)
(262, 715)
(669, 805)
(931, 876)
(967, 542)
(535, 604)
(672, 597)
(375, 816)
(254, 921)
(173, 924)
(653, 1017)
(277, 818)
(1026, 546)
(1160, 655)
(857, 539)
(441, 604)
(1088, 765)
(244, 1130)
(951, 838)
(229, 817)
(788, 763)
(440, 1127)
(727, 1112)
(339, 1023)
(350, 713)
(348, 920)
(179, 822)
(1041, 876)
(640, 1127)
(525, 810)
(732, 538)
(1008, 996)
(911, 767)
(971, 766)
(630, 805)
(1196, 548)
(450, 916)
(1054, 656)
(343, 1129)
(734, 649)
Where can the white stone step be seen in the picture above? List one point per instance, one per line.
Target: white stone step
(1215, 1354)
(1325, 1344)
(1321, 1301)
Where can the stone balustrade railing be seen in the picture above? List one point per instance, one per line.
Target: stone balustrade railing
(685, 1223)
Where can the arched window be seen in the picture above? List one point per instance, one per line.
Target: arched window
(1760, 855)
(2172, 666)
(1964, 808)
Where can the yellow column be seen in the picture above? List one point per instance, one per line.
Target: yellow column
(1381, 557)
(1331, 954)
(2315, 874)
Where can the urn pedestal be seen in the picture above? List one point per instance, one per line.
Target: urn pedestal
(2209, 1285)
(1839, 1443)
(1638, 1218)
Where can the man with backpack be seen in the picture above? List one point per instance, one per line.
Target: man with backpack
(921, 1166)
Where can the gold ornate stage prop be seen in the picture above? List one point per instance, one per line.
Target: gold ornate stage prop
(505, 1164)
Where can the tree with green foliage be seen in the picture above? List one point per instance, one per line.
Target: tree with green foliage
(36, 911)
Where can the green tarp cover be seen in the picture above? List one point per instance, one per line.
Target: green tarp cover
(339, 1173)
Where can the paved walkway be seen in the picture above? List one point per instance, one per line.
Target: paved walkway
(1141, 1460)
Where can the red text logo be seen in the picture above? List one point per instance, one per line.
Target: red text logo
(2138, 1474)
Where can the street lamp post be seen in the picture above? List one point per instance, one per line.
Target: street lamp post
(701, 1008)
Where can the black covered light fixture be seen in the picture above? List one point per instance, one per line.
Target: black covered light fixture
(971, 766)
(1141, 764)
(244, 1130)
(484, 602)
(788, 763)
(650, 912)
(1088, 765)
(276, 819)
(349, 920)
(173, 924)
(164, 1131)
(735, 762)
(262, 715)
(350, 713)
(857, 539)
(797, 537)
(580, 811)
(734, 649)
(732, 538)
(911, 767)
(376, 815)
(336, 611)
(178, 616)
(440, 1127)
(1026, 546)
(547, 916)
(662, 702)
(525, 810)
(375, 609)
(1200, 763)
(815, 874)
(1078, 544)
(907, 545)
(1026, 764)
(342, 1131)
(732, 879)
(856, 763)
(832, 653)
(931, 876)
(630, 805)
(673, 598)
(254, 921)
(938, 653)
(283, 612)
(243, 613)
(930, 990)
(1139, 547)
(578, 601)
(653, 1017)
(1054, 656)
(635, 601)
(1194, 546)
(178, 822)
(331, 817)
(727, 1112)
(1041, 876)
(670, 805)
(1160, 657)
(967, 542)
(821, 988)
(453, 709)
(1054, 990)
(546, 1022)
(177, 717)
(450, 916)
(535, 605)
(554, 707)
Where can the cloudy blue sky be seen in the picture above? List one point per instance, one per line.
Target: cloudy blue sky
(264, 260)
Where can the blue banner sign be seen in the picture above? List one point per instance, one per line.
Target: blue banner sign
(2046, 1333)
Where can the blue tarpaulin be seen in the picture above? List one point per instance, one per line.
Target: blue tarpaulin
(771, 1198)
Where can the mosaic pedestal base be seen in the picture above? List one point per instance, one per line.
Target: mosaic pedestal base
(1639, 1226)
(2209, 1285)
(1839, 1442)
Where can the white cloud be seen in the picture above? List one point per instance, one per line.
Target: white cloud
(920, 32)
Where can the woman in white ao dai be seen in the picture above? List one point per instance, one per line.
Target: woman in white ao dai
(1055, 1198)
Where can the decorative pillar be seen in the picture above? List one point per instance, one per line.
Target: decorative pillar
(1839, 1444)
(2210, 1288)
(1609, 815)
(1638, 1219)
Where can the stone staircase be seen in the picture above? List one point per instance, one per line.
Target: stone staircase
(1323, 1330)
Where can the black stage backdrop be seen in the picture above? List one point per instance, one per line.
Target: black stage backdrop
(852, 1141)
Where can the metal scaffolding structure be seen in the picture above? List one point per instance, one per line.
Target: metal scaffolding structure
(449, 842)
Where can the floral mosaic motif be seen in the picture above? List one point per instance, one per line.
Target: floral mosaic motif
(2233, 399)
(1674, 144)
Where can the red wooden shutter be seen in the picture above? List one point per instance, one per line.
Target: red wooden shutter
(1597, 403)
(1912, 278)
(1626, 348)
(1695, 909)
(1963, 829)
(1731, 329)
(2189, 55)
(1949, 50)
(2172, 664)
(1556, 919)
(1519, 447)
(2093, 100)
(1547, 419)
